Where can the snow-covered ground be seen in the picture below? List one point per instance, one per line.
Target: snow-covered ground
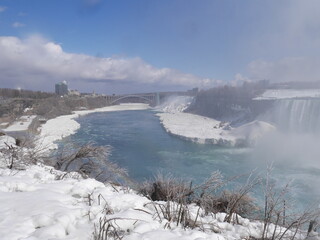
(194, 127)
(63, 126)
(273, 94)
(6, 140)
(42, 203)
(22, 124)
(207, 130)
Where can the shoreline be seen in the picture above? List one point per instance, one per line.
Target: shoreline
(63, 126)
(186, 126)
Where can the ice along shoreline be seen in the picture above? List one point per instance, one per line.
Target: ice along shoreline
(60, 127)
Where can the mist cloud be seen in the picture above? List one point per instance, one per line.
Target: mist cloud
(288, 48)
(297, 69)
(36, 62)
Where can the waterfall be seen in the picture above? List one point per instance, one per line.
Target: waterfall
(295, 115)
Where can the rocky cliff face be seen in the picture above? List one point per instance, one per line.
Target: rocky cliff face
(232, 104)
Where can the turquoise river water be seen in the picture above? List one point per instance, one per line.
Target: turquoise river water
(140, 144)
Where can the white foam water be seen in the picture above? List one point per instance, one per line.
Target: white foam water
(295, 115)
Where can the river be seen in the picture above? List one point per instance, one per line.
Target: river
(141, 145)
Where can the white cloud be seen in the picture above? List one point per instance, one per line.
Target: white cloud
(2, 9)
(34, 62)
(18, 24)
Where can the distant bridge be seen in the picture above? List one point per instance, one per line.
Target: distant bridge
(153, 99)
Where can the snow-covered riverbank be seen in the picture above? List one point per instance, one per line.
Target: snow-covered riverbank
(63, 126)
(194, 127)
(207, 130)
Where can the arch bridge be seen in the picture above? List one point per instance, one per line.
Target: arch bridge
(152, 98)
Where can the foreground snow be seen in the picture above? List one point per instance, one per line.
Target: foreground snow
(63, 126)
(6, 140)
(42, 203)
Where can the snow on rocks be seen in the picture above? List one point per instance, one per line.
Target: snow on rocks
(194, 127)
(251, 132)
(6, 140)
(39, 203)
(56, 129)
(206, 130)
(175, 104)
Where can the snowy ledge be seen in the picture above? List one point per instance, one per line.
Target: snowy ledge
(206, 130)
(195, 128)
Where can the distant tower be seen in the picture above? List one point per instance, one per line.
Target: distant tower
(61, 88)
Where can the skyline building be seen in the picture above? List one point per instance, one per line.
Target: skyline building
(61, 88)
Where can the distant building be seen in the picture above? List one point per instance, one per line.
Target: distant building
(74, 93)
(61, 88)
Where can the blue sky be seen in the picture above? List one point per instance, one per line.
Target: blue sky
(178, 44)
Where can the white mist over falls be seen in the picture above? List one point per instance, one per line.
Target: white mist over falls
(296, 115)
(294, 146)
(296, 140)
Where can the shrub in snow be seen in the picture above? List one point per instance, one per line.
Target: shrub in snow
(178, 195)
(17, 157)
(90, 161)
